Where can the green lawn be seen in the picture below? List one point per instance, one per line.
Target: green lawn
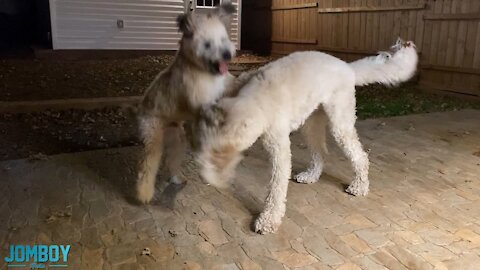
(379, 101)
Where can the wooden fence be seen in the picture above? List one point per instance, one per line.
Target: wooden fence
(446, 32)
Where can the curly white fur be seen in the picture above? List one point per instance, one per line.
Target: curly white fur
(386, 68)
(304, 88)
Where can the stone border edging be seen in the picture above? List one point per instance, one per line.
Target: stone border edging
(66, 104)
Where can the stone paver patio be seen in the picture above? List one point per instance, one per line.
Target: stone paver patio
(423, 211)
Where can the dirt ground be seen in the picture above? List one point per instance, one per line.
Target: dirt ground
(47, 133)
(41, 79)
(27, 135)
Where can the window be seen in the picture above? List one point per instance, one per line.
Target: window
(207, 3)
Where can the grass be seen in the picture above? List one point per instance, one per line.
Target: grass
(378, 101)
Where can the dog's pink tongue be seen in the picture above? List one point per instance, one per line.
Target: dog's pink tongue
(223, 67)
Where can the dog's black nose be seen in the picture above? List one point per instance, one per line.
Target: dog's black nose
(227, 55)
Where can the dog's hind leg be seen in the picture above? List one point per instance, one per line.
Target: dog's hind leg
(314, 132)
(175, 149)
(152, 133)
(342, 123)
(278, 146)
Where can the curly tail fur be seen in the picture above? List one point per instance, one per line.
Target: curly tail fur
(388, 68)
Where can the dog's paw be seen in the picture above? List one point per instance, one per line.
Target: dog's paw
(265, 224)
(306, 177)
(357, 188)
(144, 192)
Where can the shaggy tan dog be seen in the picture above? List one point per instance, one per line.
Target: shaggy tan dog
(197, 77)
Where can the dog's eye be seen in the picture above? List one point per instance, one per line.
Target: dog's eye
(207, 45)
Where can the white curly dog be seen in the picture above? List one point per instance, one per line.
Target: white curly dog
(311, 90)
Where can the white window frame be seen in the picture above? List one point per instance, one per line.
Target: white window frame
(197, 6)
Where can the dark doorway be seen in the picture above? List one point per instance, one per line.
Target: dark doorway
(257, 26)
(24, 24)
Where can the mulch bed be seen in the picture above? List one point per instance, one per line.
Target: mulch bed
(44, 79)
(47, 133)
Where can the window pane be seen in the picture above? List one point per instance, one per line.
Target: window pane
(216, 2)
(200, 3)
(208, 3)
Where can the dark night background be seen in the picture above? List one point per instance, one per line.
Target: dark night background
(24, 23)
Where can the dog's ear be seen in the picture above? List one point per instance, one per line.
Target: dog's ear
(399, 41)
(186, 24)
(410, 44)
(225, 11)
(398, 45)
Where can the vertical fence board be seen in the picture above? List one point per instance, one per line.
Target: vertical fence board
(475, 81)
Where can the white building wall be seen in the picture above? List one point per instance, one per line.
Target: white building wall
(147, 24)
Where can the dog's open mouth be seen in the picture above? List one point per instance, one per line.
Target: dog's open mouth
(220, 67)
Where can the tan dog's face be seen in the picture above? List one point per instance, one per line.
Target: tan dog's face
(205, 40)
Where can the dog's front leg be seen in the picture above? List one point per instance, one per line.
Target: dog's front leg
(152, 133)
(175, 149)
(278, 146)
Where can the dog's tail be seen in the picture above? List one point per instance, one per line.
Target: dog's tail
(388, 68)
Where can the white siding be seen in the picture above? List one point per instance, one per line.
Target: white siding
(92, 24)
(148, 24)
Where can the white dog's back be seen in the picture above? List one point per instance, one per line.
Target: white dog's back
(297, 84)
(293, 86)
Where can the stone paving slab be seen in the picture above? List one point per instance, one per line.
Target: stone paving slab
(423, 211)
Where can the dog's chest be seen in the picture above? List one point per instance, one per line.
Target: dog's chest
(204, 89)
